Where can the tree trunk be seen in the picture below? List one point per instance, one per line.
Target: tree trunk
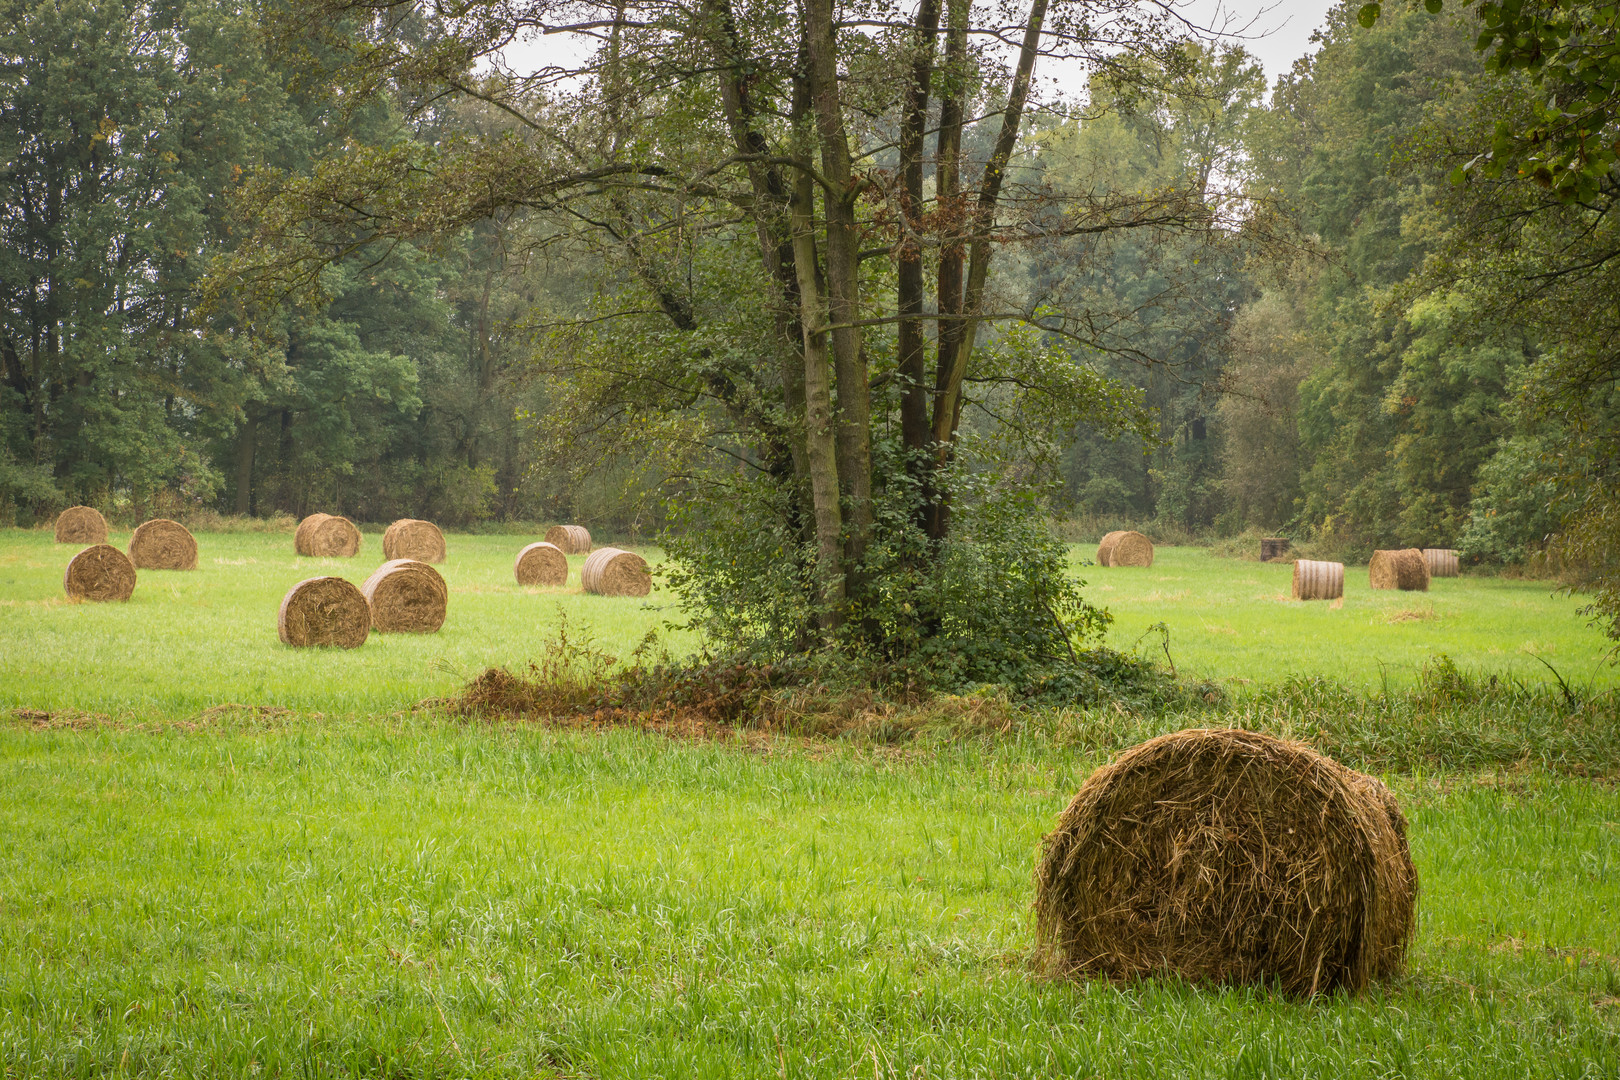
(947, 187)
(244, 464)
(911, 363)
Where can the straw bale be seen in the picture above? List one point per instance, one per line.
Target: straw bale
(1402, 569)
(1315, 580)
(1131, 549)
(406, 596)
(1273, 547)
(327, 536)
(324, 611)
(99, 572)
(1106, 546)
(613, 572)
(81, 525)
(161, 544)
(1227, 857)
(541, 564)
(571, 539)
(1442, 562)
(409, 538)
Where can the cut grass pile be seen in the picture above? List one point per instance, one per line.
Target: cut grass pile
(1232, 621)
(418, 898)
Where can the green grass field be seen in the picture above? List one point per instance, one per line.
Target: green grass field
(359, 888)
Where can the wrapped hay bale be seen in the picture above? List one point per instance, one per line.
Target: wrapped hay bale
(1227, 857)
(1105, 546)
(1273, 547)
(570, 539)
(613, 572)
(409, 538)
(406, 596)
(327, 536)
(1403, 569)
(1131, 549)
(161, 544)
(81, 525)
(324, 611)
(1315, 580)
(1442, 562)
(541, 564)
(99, 572)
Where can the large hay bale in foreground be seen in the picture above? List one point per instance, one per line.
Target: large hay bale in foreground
(571, 539)
(1105, 546)
(613, 572)
(1403, 569)
(99, 572)
(1315, 580)
(1442, 562)
(327, 536)
(406, 596)
(541, 564)
(324, 611)
(161, 544)
(1131, 549)
(81, 525)
(409, 538)
(1227, 857)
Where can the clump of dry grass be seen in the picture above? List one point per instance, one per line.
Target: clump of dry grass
(1230, 857)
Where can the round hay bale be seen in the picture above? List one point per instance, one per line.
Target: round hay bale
(1403, 569)
(1315, 580)
(81, 525)
(1227, 857)
(1273, 547)
(327, 536)
(406, 596)
(409, 538)
(541, 564)
(99, 572)
(324, 611)
(161, 544)
(1442, 562)
(1131, 549)
(613, 572)
(571, 539)
(1106, 546)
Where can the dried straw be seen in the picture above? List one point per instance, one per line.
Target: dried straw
(1315, 580)
(99, 572)
(1131, 549)
(161, 544)
(613, 572)
(1442, 562)
(541, 564)
(81, 525)
(409, 538)
(406, 596)
(571, 539)
(327, 536)
(1106, 546)
(1227, 857)
(1403, 569)
(324, 611)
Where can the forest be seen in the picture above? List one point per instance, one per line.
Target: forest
(255, 260)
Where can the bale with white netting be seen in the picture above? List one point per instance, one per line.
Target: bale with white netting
(541, 564)
(614, 572)
(570, 539)
(1314, 580)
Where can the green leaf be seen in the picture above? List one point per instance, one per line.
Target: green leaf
(1369, 14)
(1433, 6)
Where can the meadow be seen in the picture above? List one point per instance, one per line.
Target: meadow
(194, 882)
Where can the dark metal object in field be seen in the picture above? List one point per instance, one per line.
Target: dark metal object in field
(406, 596)
(81, 525)
(324, 611)
(327, 536)
(1404, 569)
(1273, 547)
(161, 544)
(541, 564)
(1228, 857)
(99, 572)
(409, 538)
(612, 572)
(570, 539)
